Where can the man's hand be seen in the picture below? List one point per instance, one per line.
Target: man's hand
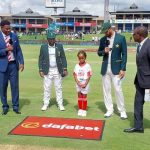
(9, 48)
(106, 50)
(65, 72)
(21, 67)
(41, 74)
(121, 74)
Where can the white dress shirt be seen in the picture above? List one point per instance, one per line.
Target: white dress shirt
(52, 56)
(141, 44)
(111, 39)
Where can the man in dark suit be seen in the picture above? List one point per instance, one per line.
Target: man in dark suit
(142, 78)
(11, 61)
(52, 67)
(113, 49)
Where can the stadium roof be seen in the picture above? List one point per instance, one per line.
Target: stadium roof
(75, 12)
(132, 9)
(27, 13)
(5, 15)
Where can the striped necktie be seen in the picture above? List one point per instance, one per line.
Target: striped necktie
(7, 41)
(7, 44)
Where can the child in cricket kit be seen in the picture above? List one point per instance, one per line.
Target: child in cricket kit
(82, 74)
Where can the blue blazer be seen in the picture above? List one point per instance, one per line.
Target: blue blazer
(118, 56)
(16, 51)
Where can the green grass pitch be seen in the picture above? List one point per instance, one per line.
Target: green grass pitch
(31, 94)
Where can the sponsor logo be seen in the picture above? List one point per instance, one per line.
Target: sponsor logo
(30, 125)
(59, 126)
(71, 127)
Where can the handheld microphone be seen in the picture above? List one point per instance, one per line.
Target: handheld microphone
(10, 42)
(107, 42)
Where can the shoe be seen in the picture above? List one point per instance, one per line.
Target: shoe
(44, 107)
(80, 112)
(132, 130)
(123, 115)
(108, 114)
(17, 112)
(61, 107)
(84, 113)
(4, 112)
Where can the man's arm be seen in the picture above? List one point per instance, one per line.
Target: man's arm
(101, 50)
(124, 54)
(64, 61)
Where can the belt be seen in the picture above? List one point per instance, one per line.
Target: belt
(11, 62)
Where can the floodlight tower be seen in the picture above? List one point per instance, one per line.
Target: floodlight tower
(106, 11)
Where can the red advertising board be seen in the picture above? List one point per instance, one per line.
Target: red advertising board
(37, 25)
(60, 127)
(85, 24)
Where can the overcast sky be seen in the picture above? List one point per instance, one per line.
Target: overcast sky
(94, 7)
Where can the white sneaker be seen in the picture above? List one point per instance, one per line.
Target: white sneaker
(80, 112)
(108, 114)
(123, 115)
(84, 113)
(61, 107)
(44, 107)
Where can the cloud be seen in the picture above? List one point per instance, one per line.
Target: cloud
(94, 7)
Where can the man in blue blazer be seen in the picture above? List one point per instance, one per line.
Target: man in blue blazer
(142, 78)
(113, 49)
(11, 61)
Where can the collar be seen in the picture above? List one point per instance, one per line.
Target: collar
(51, 46)
(113, 36)
(4, 35)
(143, 41)
(81, 65)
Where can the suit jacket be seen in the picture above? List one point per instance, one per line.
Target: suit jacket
(118, 56)
(60, 59)
(143, 66)
(4, 53)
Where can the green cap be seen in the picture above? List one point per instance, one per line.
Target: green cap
(105, 27)
(51, 35)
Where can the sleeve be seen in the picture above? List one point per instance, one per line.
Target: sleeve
(75, 71)
(63, 57)
(19, 52)
(40, 60)
(101, 51)
(89, 71)
(3, 52)
(124, 54)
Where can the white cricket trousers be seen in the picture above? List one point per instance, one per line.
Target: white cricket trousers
(52, 77)
(106, 81)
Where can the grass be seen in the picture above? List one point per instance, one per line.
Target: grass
(31, 94)
(87, 37)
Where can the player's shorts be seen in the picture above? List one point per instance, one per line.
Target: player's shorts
(83, 90)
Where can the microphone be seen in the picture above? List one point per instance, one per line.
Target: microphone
(10, 42)
(107, 42)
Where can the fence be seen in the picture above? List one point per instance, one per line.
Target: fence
(82, 43)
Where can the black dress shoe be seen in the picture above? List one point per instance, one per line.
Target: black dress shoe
(17, 112)
(132, 130)
(4, 112)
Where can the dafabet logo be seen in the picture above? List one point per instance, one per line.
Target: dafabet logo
(30, 125)
(58, 126)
